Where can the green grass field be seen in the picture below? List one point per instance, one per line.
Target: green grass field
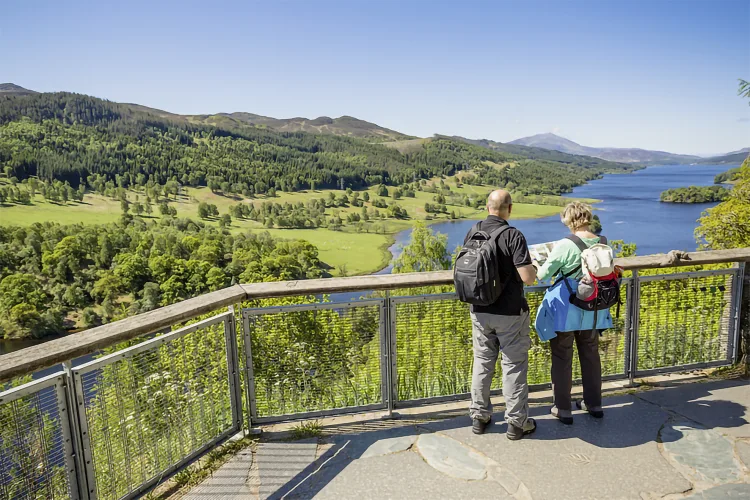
(360, 253)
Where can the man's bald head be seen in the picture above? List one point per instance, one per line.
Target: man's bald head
(499, 203)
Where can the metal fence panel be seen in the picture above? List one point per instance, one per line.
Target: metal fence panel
(314, 359)
(685, 321)
(434, 347)
(36, 458)
(149, 409)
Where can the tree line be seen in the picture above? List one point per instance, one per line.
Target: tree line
(80, 139)
(54, 277)
(695, 194)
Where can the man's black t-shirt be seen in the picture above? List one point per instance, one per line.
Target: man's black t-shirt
(513, 252)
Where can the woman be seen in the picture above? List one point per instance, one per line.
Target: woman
(577, 325)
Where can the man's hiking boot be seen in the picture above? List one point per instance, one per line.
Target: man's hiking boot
(562, 416)
(515, 433)
(480, 426)
(595, 412)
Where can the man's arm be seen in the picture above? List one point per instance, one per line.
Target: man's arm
(527, 274)
(521, 256)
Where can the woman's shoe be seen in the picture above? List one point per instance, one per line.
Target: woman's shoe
(595, 411)
(560, 415)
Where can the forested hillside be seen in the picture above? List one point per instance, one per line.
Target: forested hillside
(70, 137)
(66, 147)
(54, 277)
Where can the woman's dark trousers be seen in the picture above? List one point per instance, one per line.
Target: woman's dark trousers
(562, 369)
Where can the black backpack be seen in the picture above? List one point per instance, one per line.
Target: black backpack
(476, 273)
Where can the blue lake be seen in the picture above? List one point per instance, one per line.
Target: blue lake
(630, 210)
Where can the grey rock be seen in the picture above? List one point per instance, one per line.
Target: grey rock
(616, 457)
(452, 458)
(398, 476)
(720, 405)
(743, 451)
(389, 445)
(707, 453)
(723, 492)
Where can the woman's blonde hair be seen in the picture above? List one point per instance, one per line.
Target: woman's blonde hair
(576, 215)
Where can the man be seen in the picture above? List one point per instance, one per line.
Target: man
(503, 327)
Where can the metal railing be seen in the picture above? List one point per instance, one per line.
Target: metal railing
(36, 449)
(114, 426)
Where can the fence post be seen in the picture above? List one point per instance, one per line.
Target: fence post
(737, 293)
(388, 319)
(251, 409)
(230, 337)
(86, 456)
(72, 437)
(385, 354)
(633, 312)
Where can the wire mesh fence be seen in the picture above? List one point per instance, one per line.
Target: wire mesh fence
(434, 346)
(314, 358)
(684, 319)
(149, 408)
(612, 342)
(35, 446)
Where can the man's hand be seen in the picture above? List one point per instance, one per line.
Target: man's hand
(527, 273)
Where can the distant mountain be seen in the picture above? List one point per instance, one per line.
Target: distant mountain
(13, 89)
(731, 158)
(624, 155)
(539, 153)
(344, 125)
(743, 150)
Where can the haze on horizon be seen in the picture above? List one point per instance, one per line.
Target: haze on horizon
(648, 74)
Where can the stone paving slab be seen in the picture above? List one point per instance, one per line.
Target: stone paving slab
(278, 464)
(722, 405)
(452, 458)
(402, 475)
(707, 455)
(229, 482)
(640, 450)
(389, 445)
(616, 457)
(743, 453)
(723, 492)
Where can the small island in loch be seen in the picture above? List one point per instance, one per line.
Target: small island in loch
(695, 194)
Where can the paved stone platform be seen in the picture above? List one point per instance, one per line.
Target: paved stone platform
(688, 441)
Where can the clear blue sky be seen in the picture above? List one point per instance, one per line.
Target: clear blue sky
(655, 74)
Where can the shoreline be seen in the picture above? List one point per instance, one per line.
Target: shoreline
(393, 237)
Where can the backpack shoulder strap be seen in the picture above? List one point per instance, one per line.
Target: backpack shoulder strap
(602, 239)
(494, 234)
(474, 229)
(581, 246)
(578, 241)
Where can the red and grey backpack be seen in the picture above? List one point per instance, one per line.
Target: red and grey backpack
(599, 288)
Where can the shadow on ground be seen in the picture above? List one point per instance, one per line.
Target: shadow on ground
(615, 457)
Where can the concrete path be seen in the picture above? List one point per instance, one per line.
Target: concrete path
(689, 441)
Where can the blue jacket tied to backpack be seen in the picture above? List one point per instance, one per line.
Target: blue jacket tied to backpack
(557, 314)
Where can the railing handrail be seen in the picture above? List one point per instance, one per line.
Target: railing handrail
(87, 342)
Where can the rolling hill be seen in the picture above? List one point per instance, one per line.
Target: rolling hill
(343, 125)
(13, 89)
(538, 153)
(730, 158)
(624, 155)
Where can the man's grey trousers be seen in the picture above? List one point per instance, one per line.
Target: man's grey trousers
(494, 334)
